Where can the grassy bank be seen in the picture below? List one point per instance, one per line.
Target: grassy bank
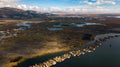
(12, 64)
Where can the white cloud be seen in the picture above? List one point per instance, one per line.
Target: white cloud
(14, 4)
(74, 9)
(98, 2)
(25, 7)
(82, 10)
(8, 1)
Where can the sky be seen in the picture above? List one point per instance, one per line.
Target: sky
(65, 6)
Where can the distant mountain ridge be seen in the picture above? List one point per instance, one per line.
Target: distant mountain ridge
(14, 13)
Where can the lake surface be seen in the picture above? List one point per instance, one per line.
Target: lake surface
(114, 16)
(107, 55)
(61, 25)
(55, 28)
(104, 56)
(24, 25)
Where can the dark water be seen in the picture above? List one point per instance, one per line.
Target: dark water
(104, 56)
(38, 60)
(107, 55)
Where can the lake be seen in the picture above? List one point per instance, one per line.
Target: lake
(104, 56)
(107, 55)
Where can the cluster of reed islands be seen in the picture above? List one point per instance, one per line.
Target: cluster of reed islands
(23, 40)
(74, 53)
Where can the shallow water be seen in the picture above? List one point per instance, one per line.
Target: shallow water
(55, 28)
(24, 25)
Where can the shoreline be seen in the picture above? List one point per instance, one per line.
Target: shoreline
(58, 59)
(12, 64)
(51, 51)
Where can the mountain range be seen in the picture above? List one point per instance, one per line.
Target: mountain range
(14, 13)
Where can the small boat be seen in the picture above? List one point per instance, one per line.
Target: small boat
(110, 45)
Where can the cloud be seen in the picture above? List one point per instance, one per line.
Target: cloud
(9, 1)
(5, 3)
(82, 9)
(25, 7)
(15, 4)
(99, 2)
